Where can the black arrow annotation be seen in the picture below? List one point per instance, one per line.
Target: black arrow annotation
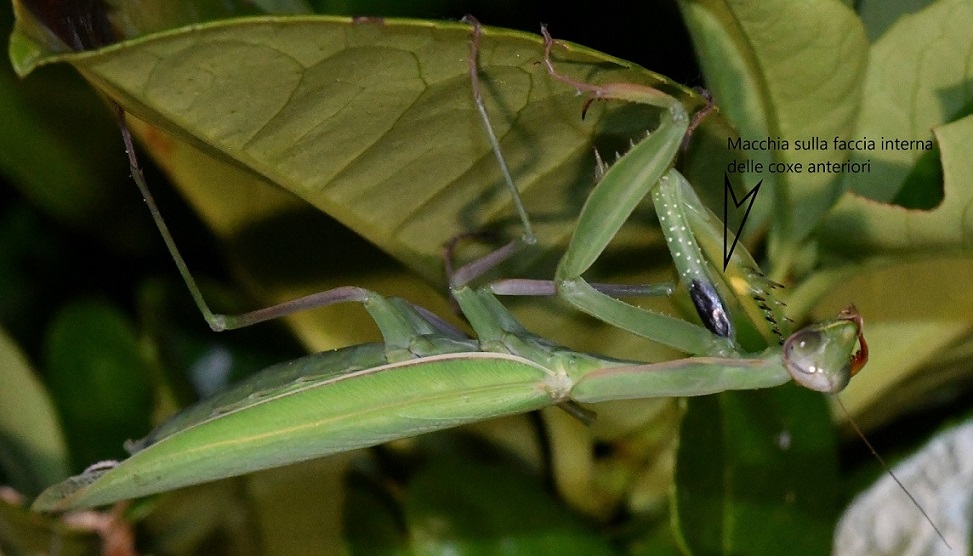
(728, 193)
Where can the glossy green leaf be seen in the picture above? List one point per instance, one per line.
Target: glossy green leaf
(242, 205)
(916, 88)
(99, 380)
(33, 453)
(761, 59)
(946, 228)
(760, 474)
(917, 80)
(374, 123)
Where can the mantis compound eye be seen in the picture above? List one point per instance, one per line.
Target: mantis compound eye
(823, 357)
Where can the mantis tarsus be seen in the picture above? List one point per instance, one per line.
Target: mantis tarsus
(427, 375)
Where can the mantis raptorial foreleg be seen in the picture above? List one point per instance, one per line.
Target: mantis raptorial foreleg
(470, 271)
(691, 232)
(645, 170)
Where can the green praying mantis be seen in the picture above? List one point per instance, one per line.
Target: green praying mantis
(427, 375)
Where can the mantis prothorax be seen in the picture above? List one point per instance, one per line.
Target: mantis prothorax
(427, 375)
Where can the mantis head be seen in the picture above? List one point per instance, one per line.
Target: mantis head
(822, 357)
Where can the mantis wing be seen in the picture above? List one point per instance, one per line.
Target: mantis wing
(314, 406)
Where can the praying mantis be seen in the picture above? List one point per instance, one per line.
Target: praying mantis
(427, 375)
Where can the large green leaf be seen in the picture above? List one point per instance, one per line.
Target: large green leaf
(917, 79)
(374, 123)
(761, 473)
(916, 88)
(761, 60)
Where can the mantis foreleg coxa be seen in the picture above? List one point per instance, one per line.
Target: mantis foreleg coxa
(426, 375)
